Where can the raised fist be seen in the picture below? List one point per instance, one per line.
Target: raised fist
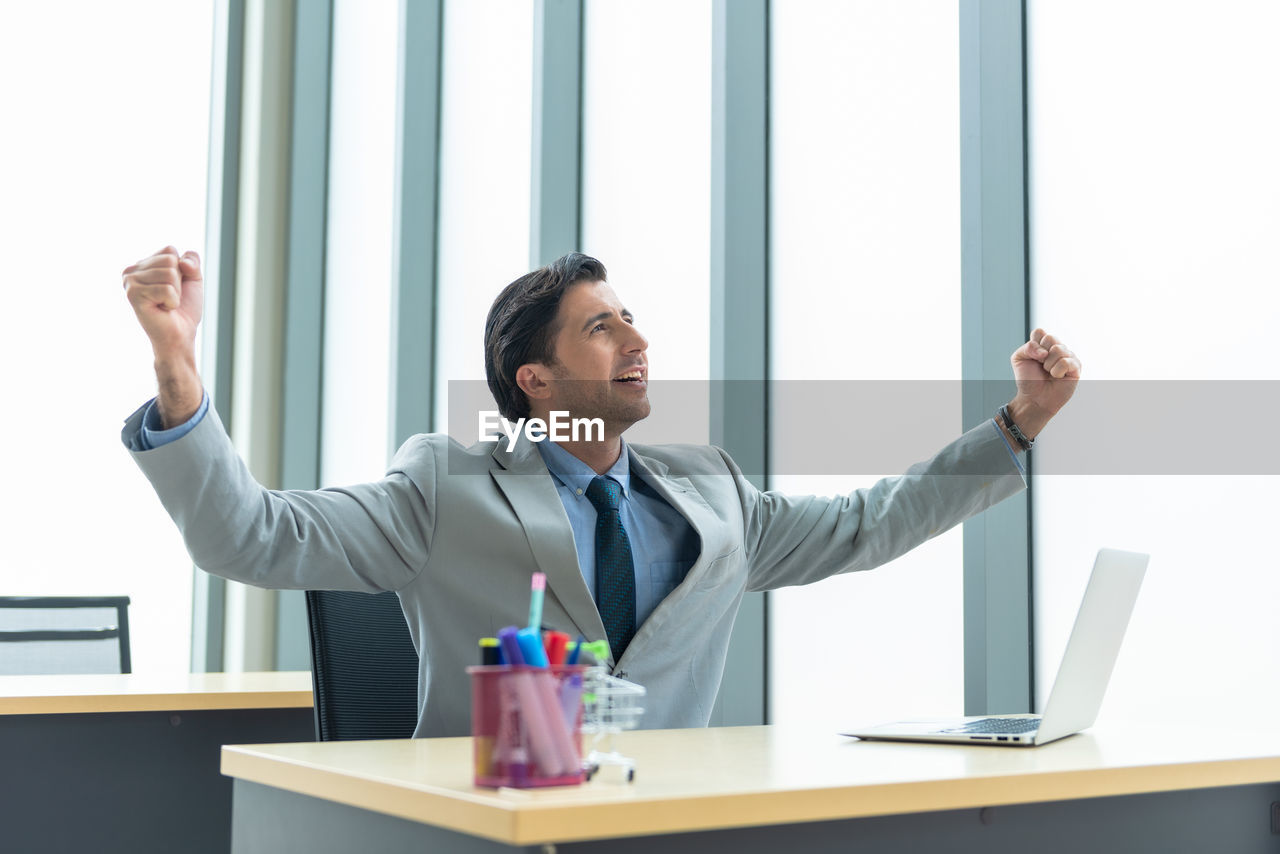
(167, 294)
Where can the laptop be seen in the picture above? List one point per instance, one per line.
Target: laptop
(1082, 677)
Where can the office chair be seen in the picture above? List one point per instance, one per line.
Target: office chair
(364, 667)
(64, 635)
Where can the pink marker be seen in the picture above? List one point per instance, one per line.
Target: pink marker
(535, 601)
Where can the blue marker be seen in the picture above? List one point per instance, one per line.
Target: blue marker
(576, 651)
(531, 648)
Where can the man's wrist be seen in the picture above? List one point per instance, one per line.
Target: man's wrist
(152, 433)
(1029, 417)
(180, 390)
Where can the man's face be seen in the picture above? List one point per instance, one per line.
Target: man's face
(601, 368)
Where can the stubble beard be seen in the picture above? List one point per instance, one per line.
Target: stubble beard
(599, 399)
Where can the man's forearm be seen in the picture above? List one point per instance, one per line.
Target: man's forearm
(167, 294)
(180, 390)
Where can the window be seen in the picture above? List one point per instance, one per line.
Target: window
(486, 121)
(103, 161)
(865, 263)
(362, 134)
(1153, 181)
(646, 198)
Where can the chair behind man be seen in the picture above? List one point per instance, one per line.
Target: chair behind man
(364, 667)
(64, 635)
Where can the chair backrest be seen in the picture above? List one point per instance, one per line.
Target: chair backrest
(364, 667)
(64, 634)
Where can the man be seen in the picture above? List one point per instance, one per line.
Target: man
(667, 543)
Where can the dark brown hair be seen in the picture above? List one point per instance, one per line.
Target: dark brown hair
(522, 325)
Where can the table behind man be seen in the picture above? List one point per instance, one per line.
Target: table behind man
(457, 532)
(130, 762)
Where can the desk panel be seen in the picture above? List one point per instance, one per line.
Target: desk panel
(713, 779)
(75, 779)
(1219, 820)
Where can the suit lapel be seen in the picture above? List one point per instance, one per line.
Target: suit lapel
(524, 480)
(680, 494)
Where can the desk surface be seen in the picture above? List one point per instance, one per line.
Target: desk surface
(131, 692)
(699, 779)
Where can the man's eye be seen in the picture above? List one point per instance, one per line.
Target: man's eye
(597, 327)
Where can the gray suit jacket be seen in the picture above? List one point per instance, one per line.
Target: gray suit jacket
(457, 532)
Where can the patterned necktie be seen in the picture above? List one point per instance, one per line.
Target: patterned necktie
(615, 570)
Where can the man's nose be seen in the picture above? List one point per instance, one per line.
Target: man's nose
(637, 343)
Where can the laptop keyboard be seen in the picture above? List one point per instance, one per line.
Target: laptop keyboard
(999, 725)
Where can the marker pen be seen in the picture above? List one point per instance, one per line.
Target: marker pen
(537, 591)
(555, 644)
(530, 642)
(575, 650)
(510, 645)
(547, 751)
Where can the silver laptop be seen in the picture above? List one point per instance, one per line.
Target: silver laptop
(1082, 677)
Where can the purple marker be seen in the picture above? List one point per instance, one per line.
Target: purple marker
(509, 642)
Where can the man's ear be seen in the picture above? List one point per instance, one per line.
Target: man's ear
(534, 379)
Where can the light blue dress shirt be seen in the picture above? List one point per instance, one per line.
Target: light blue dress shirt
(153, 434)
(1013, 452)
(663, 543)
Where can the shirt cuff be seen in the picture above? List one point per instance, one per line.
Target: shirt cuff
(1022, 470)
(153, 435)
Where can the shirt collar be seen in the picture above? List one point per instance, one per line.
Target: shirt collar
(577, 475)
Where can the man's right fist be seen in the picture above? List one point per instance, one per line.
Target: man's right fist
(167, 294)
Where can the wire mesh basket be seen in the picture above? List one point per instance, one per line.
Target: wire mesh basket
(609, 706)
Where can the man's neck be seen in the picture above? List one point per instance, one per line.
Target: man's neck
(600, 456)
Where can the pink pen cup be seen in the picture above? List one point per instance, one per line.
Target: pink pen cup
(526, 725)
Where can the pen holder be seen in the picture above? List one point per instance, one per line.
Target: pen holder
(526, 725)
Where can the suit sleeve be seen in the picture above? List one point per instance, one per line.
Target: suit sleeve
(370, 537)
(800, 539)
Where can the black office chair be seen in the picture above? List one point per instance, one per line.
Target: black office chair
(364, 667)
(64, 635)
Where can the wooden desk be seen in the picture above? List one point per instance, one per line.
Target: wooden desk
(769, 789)
(129, 763)
(131, 692)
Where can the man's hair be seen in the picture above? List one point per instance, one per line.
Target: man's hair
(522, 326)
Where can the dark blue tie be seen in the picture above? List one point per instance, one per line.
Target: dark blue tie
(615, 570)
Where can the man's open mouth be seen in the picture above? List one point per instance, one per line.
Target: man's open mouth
(630, 377)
